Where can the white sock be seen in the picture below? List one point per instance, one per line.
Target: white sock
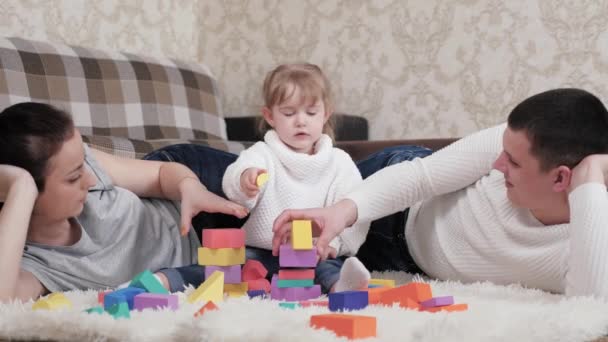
(353, 276)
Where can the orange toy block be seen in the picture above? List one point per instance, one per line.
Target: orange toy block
(415, 292)
(374, 294)
(223, 238)
(259, 284)
(210, 306)
(449, 308)
(349, 326)
(297, 274)
(253, 270)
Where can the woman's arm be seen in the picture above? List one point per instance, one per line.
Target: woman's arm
(167, 180)
(18, 192)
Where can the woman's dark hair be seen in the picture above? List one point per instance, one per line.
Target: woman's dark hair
(563, 125)
(30, 134)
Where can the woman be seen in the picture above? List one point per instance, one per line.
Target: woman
(78, 218)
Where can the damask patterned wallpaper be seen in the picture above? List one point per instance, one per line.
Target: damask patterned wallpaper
(414, 68)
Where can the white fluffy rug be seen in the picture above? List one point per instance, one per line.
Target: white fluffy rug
(496, 313)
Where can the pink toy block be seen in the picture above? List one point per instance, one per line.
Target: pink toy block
(232, 274)
(155, 301)
(296, 274)
(223, 238)
(293, 294)
(253, 270)
(288, 257)
(437, 301)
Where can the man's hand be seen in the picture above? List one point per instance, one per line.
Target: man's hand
(196, 198)
(327, 223)
(592, 169)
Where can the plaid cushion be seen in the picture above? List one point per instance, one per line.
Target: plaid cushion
(130, 148)
(113, 94)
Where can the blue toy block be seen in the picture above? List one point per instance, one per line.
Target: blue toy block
(348, 300)
(123, 295)
(256, 293)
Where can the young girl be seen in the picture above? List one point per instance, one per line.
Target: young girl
(304, 171)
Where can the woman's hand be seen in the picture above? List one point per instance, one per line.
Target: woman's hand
(249, 184)
(327, 223)
(12, 175)
(196, 198)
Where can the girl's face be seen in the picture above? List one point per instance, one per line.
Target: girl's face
(67, 182)
(299, 123)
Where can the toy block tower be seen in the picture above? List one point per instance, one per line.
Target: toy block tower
(298, 259)
(224, 251)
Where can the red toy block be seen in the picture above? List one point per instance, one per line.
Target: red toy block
(101, 295)
(223, 238)
(296, 274)
(349, 326)
(259, 284)
(449, 308)
(210, 306)
(415, 292)
(253, 270)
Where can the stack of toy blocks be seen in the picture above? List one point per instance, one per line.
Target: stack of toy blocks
(254, 274)
(298, 259)
(144, 292)
(224, 251)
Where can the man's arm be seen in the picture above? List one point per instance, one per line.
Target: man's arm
(587, 272)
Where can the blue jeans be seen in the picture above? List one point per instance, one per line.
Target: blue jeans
(384, 249)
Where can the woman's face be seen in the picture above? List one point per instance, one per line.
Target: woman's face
(67, 182)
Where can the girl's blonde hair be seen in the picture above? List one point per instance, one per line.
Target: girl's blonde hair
(280, 84)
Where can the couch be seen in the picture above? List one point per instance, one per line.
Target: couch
(129, 104)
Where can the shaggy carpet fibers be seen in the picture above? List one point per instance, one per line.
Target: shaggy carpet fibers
(496, 313)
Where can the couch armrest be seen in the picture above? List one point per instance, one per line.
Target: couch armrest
(347, 127)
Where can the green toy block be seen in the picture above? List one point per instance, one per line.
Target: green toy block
(147, 281)
(289, 305)
(120, 310)
(95, 309)
(295, 283)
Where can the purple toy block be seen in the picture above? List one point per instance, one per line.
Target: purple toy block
(288, 257)
(437, 301)
(348, 300)
(256, 293)
(293, 294)
(232, 274)
(155, 301)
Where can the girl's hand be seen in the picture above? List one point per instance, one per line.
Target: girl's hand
(249, 184)
(196, 198)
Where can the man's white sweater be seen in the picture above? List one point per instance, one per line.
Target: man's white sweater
(296, 181)
(462, 226)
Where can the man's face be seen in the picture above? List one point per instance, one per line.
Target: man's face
(527, 185)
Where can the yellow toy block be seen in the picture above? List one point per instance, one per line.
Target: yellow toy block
(382, 282)
(54, 301)
(221, 256)
(262, 179)
(236, 290)
(301, 234)
(211, 290)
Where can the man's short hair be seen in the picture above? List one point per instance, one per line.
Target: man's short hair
(563, 125)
